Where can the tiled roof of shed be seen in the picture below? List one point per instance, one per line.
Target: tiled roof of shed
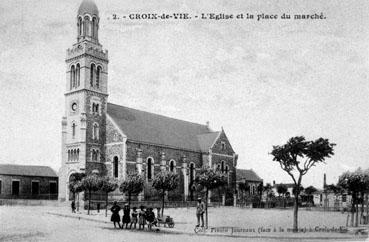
(248, 175)
(23, 170)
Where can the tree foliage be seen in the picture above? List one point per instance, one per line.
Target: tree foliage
(310, 190)
(132, 185)
(281, 189)
(297, 157)
(107, 185)
(91, 183)
(163, 182)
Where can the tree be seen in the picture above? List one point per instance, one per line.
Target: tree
(75, 186)
(91, 183)
(268, 190)
(356, 183)
(309, 192)
(163, 182)
(282, 189)
(297, 157)
(133, 185)
(209, 179)
(107, 185)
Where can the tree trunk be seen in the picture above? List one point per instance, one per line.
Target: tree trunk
(89, 201)
(129, 199)
(367, 209)
(162, 205)
(352, 210)
(357, 214)
(206, 208)
(78, 202)
(106, 207)
(295, 213)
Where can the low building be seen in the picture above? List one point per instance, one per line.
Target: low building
(289, 187)
(28, 182)
(250, 178)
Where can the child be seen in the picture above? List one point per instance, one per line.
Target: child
(150, 217)
(126, 218)
(141, 218)
(134, 217)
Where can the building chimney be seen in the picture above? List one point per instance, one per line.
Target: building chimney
(208, 124)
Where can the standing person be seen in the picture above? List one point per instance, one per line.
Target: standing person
(200, 210)
(73, 205)
(126, 218)
(115, 218)
(141, 218)
(134, 217)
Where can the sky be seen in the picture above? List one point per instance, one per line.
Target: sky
(262, 81)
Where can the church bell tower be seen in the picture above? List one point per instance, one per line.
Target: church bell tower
(84, 121)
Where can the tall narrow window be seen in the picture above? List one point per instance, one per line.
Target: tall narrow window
(172, 166)
(1, 185)
(73, 130)
(77, 158)
(86, 26)
(226, 169)
(78, 70)
(68, 154)
(115, 166)
(93, 27)
(149, 169)
(95, 131)
(222, 167)
(73, 76)
(92, 74)
(98, 71)
(80, 26)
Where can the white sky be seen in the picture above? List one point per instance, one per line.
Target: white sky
(262, 81)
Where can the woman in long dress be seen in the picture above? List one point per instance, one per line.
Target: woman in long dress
(126, 218)
(115, 218)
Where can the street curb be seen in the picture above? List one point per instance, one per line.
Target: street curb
(174, 231)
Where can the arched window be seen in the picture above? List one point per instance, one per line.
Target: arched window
(86, 26)
(226, 169)
(93, 27)
(192, 172)
(77, 158)
(72, 77)
(80, 26)
(222, 166)
(172, 165)
(69, 155)
(78, 70)
(149, 168)
(98, 71)
(218, 167)
(92, 74)
(73, 130)
(95, 131)
(115, 164)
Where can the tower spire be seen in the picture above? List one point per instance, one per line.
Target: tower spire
(88, 22)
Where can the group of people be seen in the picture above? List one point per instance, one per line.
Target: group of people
(142, 217)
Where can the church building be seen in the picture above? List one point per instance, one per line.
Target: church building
(117, 140)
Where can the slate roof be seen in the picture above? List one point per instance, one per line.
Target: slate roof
(23, 170)
(248, 175)
(156, 129)
(207, 140)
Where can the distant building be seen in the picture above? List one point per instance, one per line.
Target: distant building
(28, 182)
(288, 185)
(250, 178)
(331, 200)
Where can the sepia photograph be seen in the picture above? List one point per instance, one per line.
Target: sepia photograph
(184, 120)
